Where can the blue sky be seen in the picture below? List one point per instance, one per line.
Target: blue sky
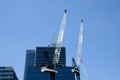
(25, 24)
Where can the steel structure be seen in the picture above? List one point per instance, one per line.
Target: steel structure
(76, 67)
(51, 68)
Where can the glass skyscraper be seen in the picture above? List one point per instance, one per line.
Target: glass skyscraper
(42, 56)
(7, 73)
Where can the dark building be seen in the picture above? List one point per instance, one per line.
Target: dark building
(44, 56)
(7, 73)
(29, 63)
(35, 59)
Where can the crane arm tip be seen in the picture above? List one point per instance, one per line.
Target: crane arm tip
(65, 11)
(82, 20)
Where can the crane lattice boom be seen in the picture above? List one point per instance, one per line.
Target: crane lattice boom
(59, 40)
(80, 44)
(76, 67)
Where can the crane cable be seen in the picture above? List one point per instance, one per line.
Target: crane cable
(85, 72)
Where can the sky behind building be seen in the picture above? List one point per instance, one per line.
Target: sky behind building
(25, 24)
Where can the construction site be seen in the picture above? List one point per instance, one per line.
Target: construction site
(49, 63)
(59, 40)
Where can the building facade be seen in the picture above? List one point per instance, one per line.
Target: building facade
(42, 56)
(7, 73)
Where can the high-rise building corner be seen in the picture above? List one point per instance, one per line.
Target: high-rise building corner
(42, 56)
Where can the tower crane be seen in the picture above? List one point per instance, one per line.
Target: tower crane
(76, 67)
(52, 68)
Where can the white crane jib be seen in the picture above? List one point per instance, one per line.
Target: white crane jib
(76, 67)
(59, 40)
(56, 56)
(79, 60)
